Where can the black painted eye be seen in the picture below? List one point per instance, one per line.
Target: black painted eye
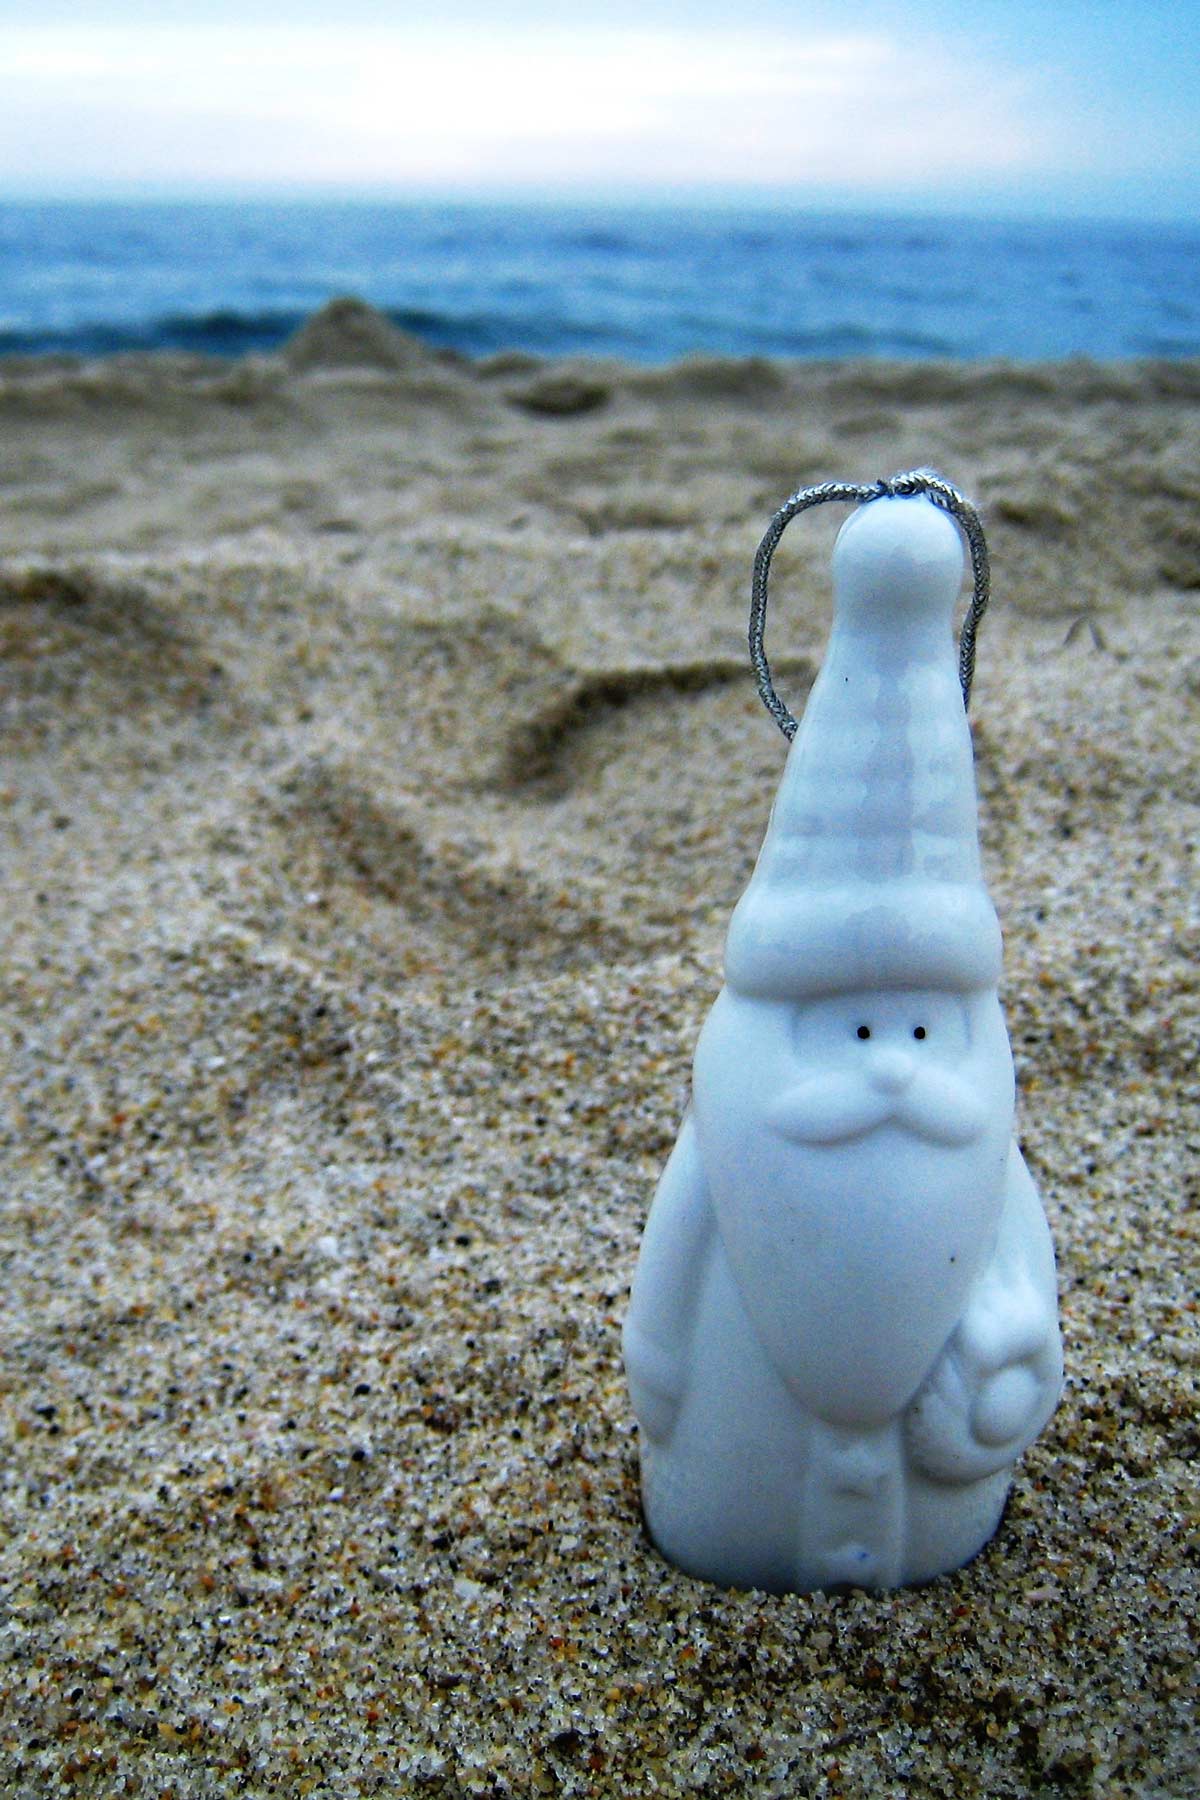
(864, 1032)
(918, 1031)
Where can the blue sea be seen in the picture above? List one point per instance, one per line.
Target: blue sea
(649, 283)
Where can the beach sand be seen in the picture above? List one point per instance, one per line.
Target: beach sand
(381, 763)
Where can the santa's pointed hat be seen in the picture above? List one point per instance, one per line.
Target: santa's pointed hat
(869, 876)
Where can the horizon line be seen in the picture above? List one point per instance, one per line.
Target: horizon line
(698, 196)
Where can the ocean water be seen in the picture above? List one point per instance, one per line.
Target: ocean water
(649, 283)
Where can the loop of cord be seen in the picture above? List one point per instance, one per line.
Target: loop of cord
(912, 481)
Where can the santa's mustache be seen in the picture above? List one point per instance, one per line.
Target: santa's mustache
(835, 1107)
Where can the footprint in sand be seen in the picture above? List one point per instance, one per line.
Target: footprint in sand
(84, 653)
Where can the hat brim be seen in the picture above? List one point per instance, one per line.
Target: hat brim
(863, 938)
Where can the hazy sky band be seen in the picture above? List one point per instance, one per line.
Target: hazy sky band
(1085, 108)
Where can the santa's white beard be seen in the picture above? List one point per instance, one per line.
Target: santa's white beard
(853, 1260)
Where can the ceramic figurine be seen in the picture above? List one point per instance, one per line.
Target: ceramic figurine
(843, 1326)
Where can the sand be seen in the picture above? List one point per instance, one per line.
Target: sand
(380, 766)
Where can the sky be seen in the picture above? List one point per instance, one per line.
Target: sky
(1076, 107)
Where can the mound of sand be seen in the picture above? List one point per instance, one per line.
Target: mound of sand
(349, 334)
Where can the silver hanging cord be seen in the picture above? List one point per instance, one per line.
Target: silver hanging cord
(914, 481)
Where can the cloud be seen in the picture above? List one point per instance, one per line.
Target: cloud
(403, 105)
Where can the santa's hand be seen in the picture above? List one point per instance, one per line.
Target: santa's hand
(656, 1383)
(991, 1390)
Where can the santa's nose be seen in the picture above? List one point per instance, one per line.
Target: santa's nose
(891, 1070)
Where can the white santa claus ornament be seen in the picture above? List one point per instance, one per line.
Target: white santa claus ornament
(843, 1327)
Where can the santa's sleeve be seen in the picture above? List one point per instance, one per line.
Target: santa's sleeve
(666, 1288)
